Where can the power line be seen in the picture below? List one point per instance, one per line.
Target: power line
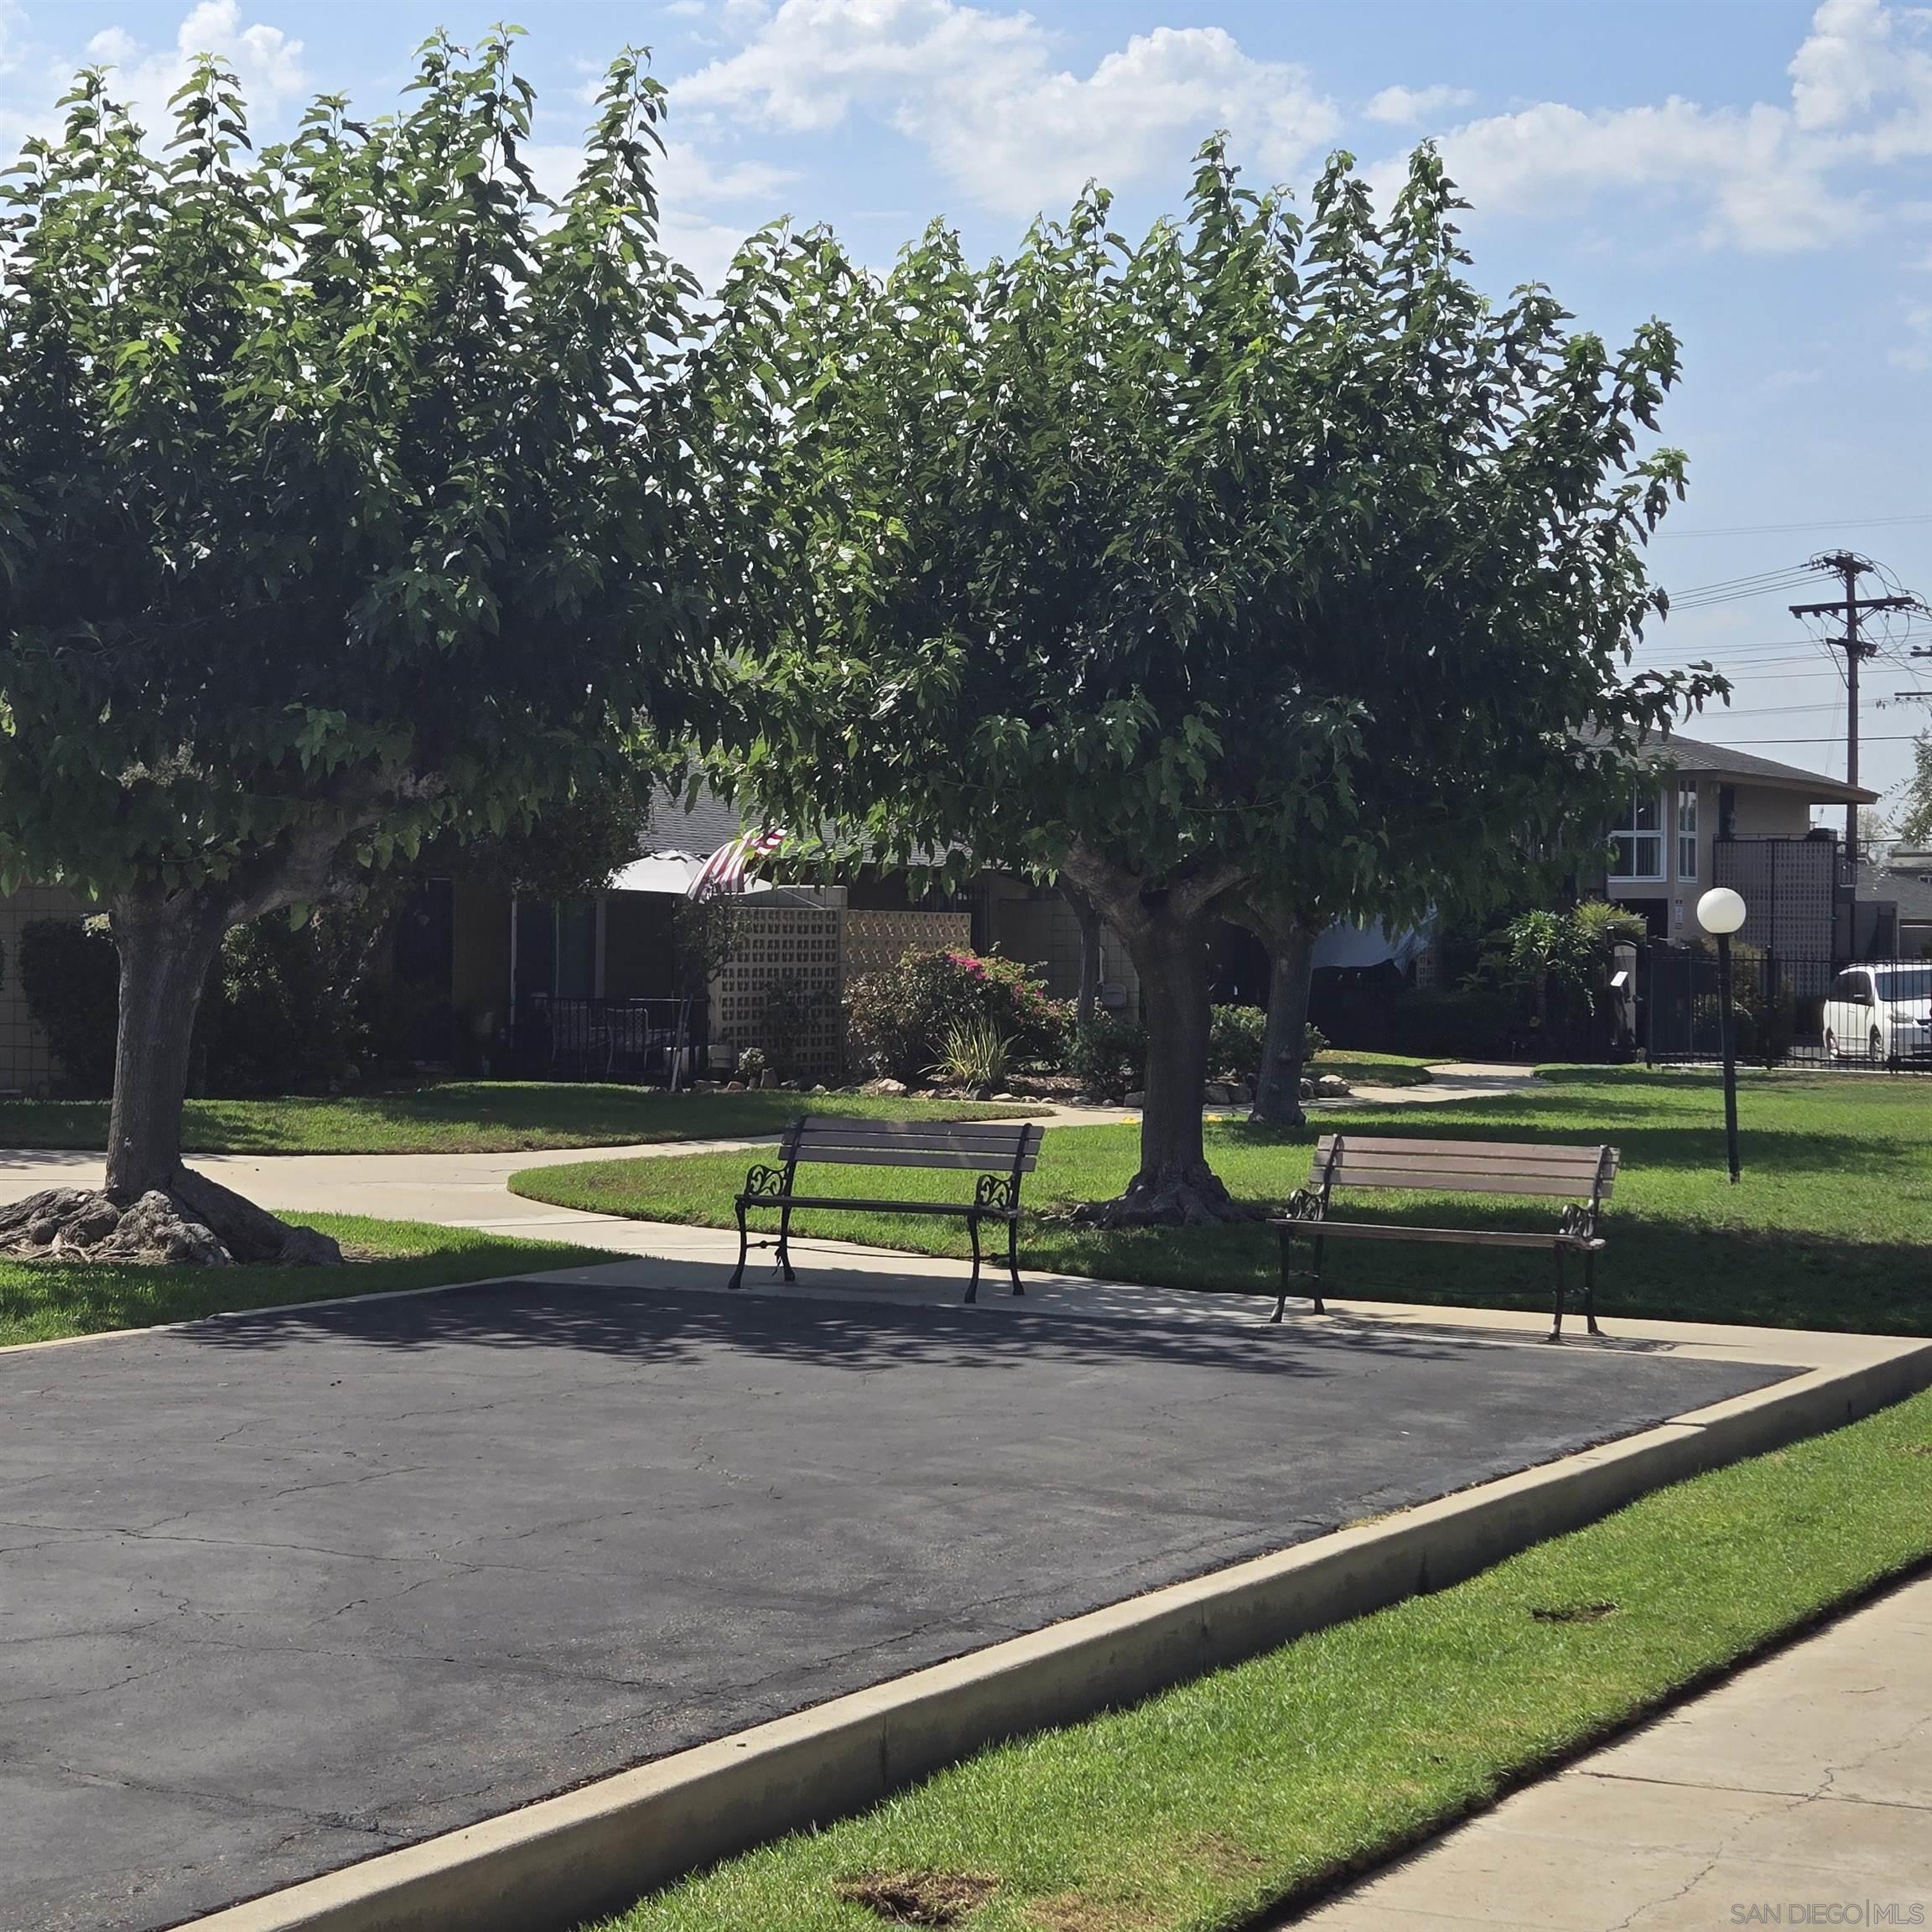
(1780, 529)
(1848, 569)
(1892, 738)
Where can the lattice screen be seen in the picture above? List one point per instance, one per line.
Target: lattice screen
(813, 953)
(875, 940)
(795, 945)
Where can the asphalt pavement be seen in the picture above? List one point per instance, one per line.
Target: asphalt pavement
(281, 1590)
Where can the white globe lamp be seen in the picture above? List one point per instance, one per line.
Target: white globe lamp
(1720, 912)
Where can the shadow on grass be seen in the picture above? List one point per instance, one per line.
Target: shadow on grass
(1652, 1270)
(1629, 1125)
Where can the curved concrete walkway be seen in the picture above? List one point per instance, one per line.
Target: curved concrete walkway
(472, 1191)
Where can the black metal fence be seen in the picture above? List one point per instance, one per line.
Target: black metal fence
(644, 1042)
(1781, 1009)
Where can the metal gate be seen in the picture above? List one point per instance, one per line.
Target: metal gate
(1778, 1003)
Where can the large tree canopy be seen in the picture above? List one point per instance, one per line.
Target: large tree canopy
(1261, 564)
(346, 496)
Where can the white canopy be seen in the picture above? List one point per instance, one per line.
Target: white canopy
(670, 872)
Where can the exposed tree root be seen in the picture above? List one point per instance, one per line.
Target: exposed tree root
(195, 1221)
(1171, 1196)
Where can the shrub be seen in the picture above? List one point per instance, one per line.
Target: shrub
(974, 1055)
(1451, 1023)
(1236, 1035)
(1109, 1056)
(70, 974)
(785, 1016)
(282, 1013)
(284, 1010)
(897, 1022)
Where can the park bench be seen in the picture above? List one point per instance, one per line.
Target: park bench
(1581, 1175)
(998, 1153)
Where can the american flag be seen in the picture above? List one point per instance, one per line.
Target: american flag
(726, 869)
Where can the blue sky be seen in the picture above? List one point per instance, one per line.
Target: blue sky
(1759, 174)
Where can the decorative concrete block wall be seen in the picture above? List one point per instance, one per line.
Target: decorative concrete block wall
(876, 940)
(794, 944)
(819, 951)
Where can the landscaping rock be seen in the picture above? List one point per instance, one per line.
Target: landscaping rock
(1136, 1098)
(891, 1088)
(1331, 1086)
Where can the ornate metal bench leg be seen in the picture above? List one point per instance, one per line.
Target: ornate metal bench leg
(785, 1241)
(1314, 1280)
(973, 1234)
(1287, 1273)
(1556, 1269)
(1013, 1252)
(1590, 1290)
(744, 1248)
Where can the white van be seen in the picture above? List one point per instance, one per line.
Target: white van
(1880, 1012)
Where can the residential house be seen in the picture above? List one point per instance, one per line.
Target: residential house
(1701, 815)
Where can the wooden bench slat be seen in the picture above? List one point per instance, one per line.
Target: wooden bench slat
(980, 1161)
(880, 1206)
(1433, 1180)
(1524, 1149)
(1353, 1157)
(1463, 1237)
(880, 1133)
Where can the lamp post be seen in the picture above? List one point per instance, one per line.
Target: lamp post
(1721, 913)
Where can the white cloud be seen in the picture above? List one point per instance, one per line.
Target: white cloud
(1416, 106)
(981, 93)
(267, 61)
(1915, 351)
(1768, 177)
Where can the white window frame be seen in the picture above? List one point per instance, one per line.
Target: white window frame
(1687, 833)
(1631, 836)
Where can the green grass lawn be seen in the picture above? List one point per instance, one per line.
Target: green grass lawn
(43, 1300)
(1241, 1792)
(473, 1117)
(1829, 1230)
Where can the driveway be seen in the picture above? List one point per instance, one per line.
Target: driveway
(285, 1590)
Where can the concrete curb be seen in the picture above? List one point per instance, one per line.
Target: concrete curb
(593, 1851)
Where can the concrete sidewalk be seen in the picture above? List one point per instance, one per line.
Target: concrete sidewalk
(1799, 1793)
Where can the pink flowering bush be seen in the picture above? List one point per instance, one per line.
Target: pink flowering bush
(897, 1022)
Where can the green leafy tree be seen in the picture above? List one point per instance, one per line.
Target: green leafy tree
(1262, 559)
(1911, 827)
(347, 498)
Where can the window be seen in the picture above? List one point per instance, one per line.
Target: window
(1915, 983)
(1687, 833)
(1637, 843)
(1852, 989)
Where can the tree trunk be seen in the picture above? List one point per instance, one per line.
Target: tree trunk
(153, 1210)
(1175, 1185)
(166, 951)
(1088, 915)
(1291, 972)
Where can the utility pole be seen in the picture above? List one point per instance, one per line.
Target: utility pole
(1850, 568)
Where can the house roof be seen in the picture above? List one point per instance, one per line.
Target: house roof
(1906, 879)
(1692, 755)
